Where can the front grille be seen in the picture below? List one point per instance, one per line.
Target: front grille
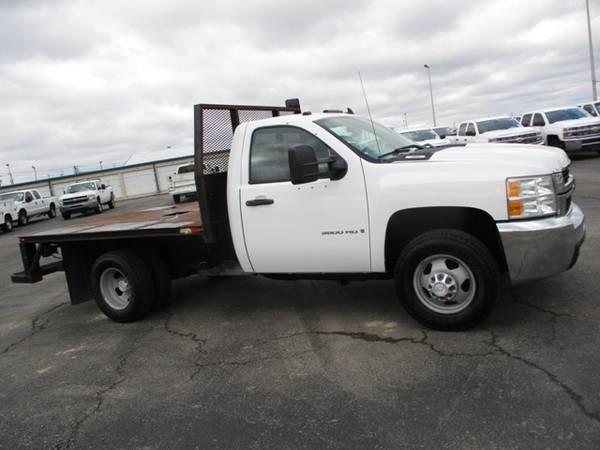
(72, 201)
(528, 138)
(587, 130)
(564, 183)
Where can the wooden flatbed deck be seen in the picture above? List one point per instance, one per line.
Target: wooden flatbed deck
(168, 220)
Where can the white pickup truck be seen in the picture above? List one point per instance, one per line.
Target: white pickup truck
(425, 137)
(29, 204)
(504, 130)
(333, 196)
(182, 183)
(570, 128)
(84, 196)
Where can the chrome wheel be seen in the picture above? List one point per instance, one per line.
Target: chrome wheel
(115, 288)
(444, 284)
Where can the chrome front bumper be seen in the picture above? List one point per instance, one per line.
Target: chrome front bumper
(76, 207)
(543, 247)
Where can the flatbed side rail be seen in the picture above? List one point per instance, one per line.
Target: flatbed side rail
(30, 255)
(214, 125)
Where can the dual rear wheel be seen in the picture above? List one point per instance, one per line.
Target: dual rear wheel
(128, 284)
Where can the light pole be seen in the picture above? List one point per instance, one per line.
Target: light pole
(12, 181)
(431, 93)
(34, 172)
(592, 64)
(100, 165)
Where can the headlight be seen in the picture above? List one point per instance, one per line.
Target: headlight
(530, 197)
(91, 197)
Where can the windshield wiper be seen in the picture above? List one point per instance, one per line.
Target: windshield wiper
(403, 149)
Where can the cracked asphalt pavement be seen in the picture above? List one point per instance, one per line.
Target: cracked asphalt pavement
(249, 362)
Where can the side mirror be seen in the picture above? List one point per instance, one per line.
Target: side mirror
(304, 167)
(64, 192)
(470, 133)
(442, 136)
(103, 186)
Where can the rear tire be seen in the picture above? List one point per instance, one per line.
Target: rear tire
(161, 276)
(122, 286)
(66, 215)
(7, 226)
(111, 203)
(52, 211)
(447, 280)
(176, 198)
(23, 219)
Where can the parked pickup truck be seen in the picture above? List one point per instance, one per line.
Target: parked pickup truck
(182, 183)
(570, 128)
(504, 130)
(425, 137)
(85, 196)
(332, 196)
(592, 108)
(8, 214)
(29, 204)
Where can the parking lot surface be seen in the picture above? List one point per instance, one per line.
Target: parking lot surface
(248, 362)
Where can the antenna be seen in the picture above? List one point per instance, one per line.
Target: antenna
(369, 111)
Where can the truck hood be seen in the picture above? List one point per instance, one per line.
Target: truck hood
(77, 194)
(576, 122)
(510, 132)
(516, 159)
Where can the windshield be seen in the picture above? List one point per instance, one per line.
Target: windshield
(503, 123)
(18, 196)
(445, 131)
(565, 114)
(357, 133)
(186, 169)
(81, 187)
(420, 135)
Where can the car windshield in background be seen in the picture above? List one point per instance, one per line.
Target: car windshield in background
(186, 169)
(18, 196)
(81, 187)
(357, 133)
(445, 131)
(565, 114)
(420, 135)
(497, 124)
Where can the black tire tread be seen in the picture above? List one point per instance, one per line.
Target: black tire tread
(488, 266)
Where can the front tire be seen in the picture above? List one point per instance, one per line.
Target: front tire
(52, 211)
(122, 286)
(66, 215)
(447, 280)
(176, 198)
(7, 226)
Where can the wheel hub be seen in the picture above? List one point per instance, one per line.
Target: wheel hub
(442, 285)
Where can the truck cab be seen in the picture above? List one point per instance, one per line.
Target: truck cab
(503, 130)
(570, 128)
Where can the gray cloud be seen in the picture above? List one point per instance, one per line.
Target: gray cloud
(83, 81)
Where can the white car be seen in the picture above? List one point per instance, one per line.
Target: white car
(504, 129)
(569, 128)
(86, 196)
(425, 137)
(29, 203)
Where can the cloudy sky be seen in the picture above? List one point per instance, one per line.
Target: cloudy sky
(83, 81)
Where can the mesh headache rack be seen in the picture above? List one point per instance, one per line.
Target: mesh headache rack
(213, 132)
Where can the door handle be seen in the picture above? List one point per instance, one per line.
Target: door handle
(260, 201)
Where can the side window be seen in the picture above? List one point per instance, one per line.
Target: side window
(471, 129)
(538, 120)
(36, 195)
(28, 197)
(590, 109)
(269, 152)
(462, 129)
(525, 120)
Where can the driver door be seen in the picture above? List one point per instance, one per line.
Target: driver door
(317, 227)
